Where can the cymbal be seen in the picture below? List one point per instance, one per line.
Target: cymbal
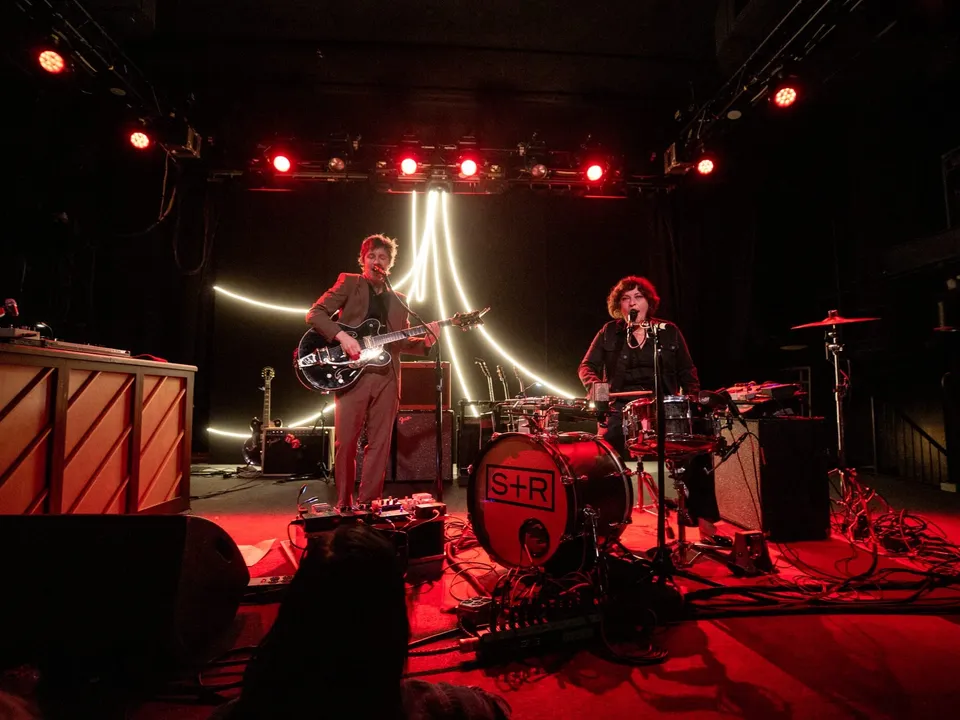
(833, 318)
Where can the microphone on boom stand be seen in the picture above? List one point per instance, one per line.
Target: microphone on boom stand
(438, 371)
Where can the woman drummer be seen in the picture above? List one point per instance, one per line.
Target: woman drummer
(622, 355)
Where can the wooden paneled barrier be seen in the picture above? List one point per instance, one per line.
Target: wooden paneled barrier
(86, 433)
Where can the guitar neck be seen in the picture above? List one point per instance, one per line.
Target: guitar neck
(266, 404)
(392, 337)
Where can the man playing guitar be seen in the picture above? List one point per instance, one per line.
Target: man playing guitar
(375, 397)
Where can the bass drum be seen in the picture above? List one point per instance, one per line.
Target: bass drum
(527, 494)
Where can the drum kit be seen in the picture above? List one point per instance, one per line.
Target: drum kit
(555, 500)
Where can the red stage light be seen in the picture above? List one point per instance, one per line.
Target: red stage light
(705, 166)
(594, 173)
(468, 168)
(281, 163)
(140, 140)
(785, 96)
(408, 166)
(51, 61)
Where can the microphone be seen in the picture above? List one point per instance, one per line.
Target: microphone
(732, 449)
(731, 405)
(632, 317)
(377, 270)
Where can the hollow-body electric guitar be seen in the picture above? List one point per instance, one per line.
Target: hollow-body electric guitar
(324, 366)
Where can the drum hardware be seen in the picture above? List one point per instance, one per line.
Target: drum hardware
(591, 526)
(682, 548)
(841, 381)
(645, 480)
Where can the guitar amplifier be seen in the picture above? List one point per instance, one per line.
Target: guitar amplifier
(418, 387)
(415, 446)
(780, 487)
(298, 451)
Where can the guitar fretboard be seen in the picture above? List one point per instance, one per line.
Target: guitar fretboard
(386, 339)
(266, 404)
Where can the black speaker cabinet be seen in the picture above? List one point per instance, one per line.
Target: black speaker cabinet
(418, 385)
(777, 482)
(416, 446)
(128, 594)
(297, 451)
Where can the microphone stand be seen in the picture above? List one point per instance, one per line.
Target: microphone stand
(438, 379)
(662, 561)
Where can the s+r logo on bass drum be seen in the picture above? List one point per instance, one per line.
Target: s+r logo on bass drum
(526, 487)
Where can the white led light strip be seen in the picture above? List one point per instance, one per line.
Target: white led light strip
(418, 272)
(463, 297)
(448, 332)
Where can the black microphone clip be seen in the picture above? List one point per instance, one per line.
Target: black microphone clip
(731, 450)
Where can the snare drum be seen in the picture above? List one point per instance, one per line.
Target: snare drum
(527, 494)
(691, 429)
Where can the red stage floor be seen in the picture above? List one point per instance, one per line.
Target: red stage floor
(897, 665)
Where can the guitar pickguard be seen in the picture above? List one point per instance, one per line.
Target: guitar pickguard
(326, 367)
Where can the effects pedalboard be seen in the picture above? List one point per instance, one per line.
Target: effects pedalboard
(324, 518)
(414, 524)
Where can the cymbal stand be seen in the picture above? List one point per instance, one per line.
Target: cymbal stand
(841, 385)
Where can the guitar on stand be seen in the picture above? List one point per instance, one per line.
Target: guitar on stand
(253, 447)
(516, 374)
(482, 364)
(503, 381)
(325, 366)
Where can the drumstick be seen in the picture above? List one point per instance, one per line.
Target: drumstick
(632, 393)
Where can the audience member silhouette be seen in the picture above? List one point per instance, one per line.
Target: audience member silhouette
(339, 645)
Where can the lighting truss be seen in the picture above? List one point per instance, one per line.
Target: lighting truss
(527, 165)
(100, 65)
(800, 33)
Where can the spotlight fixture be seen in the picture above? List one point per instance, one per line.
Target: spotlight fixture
(784, 96)
(538, 171)
(140, 140)
(52, 61)
(408, 165)
(468, 167)
(705, 166)
(594, 172)
(281, 163)
(336, 164)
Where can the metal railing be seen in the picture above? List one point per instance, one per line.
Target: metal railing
(901, 447)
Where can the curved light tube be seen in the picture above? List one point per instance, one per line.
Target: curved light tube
(463, 297)
(448, 332)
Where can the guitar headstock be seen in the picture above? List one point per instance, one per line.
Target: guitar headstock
(267, 374)
(469, 320)
(500, 373)
(483, 366)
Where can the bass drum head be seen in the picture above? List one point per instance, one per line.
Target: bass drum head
(519, 507)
